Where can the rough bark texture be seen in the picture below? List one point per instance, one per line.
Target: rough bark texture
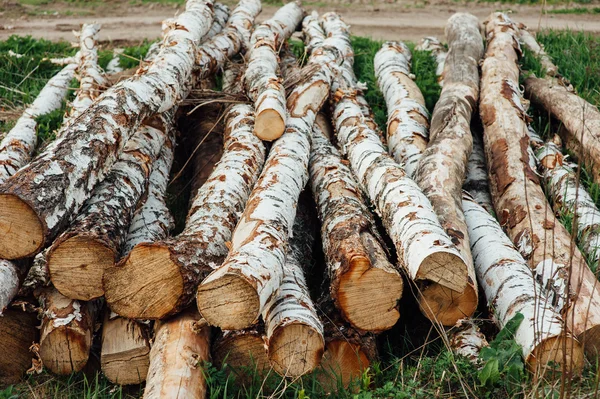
(38, 275)
(176, 266)
(519, 201)
(244, 352)
(510, 288)
(66, 331)
(54, 186)
(467, 340)
(114, 65)
(532, 45)
(363, 284)
(476, 181)
(125, 355)
(10, 273)
(180, 349)
(17, 333)
(438, 51)
(294, 331)
(408, 119)
(234, 295)
(406, 213)
(580, 119)
(263, 85)
(78, 258)
(442, 168)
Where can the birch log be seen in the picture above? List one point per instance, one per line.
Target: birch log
(408, 119)
(114, 65)
(17, 333)
(406, 212)
(510, 288)
(518, 198)
(467, 340)
(263, 85)
(160, 278)
(78, 258)
(443, 165)
(66, 331)
(567, 193)
(363, 284)
(40, 200)
(180, 349)
(476, 181)
(294, 331)
(438, 51)
(580, 120)
(527, 39)
(125, 355)
(244, 352)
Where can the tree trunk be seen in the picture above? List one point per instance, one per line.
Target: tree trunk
(78, 258)
(476, 181)
(438, 51)
(406, 213)
(510, 289)
(467, 340)
(364, 285)
(17, 333)
(125, 355)
(580, 120)
(234, 295)
(263, 85)
(181, 346)
(66, 331)
(518, 198)
(532, 45)
(114, 65)
(408, 119)
(40, 200)
(442, 168)
(10, 274)
(244, 352)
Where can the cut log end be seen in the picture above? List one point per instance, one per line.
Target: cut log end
(590, 339)
(244, 353)
(444, 268)
(269, 125)
(17, 333)
(446, 306)
(147, 284)
(368, 296)
(21, 230)
(77, 265)
(64, 351)
(342, 363)
(295, 349)
(229, 302)
(565, 352)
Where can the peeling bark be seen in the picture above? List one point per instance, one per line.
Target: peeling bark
(52, 188)
(510, 288)
(467, 340)
(114, 65)
(180, 349)
(363, 284)
(438, 51)
(408, 119)
(519, 201)
(263, 85)
(476, 181)
(17, 333)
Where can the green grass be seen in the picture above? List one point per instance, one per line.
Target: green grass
(576, 10)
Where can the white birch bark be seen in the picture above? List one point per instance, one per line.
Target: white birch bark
(476, 181)
(408, 119)
(57, 183)
(510, 288)
(467, 340)
(313, 32)
(530, 42)
(263, 85)
(9, 282)
(438, 51)
(114, 65)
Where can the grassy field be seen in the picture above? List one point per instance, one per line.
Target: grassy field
(414, 361)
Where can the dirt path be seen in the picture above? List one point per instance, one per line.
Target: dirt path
(402, 20)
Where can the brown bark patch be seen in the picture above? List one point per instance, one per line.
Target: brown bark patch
(529, 173)
(500, 168)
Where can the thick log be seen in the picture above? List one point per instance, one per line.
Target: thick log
(244, 351)
(66, 331)
(10, 274)
(263, 85)
(518, 198)
(39, 201)
(438, 51)
(510, 288)
(17, 333)
(442, 168)
(467, 340)
(476, 181)
(408, 119)
(78, 258)
(125, 355)
(363, 284)
(181, 346)
(407, 215)
(580, 120)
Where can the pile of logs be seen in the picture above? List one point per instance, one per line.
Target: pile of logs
(293, 160)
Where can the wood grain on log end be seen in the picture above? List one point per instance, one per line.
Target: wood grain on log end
(21, 230)
(244, 351)
(229, 302)
(65, 350)
(269, 125)
(446, 306)
(342, 363)
(445, 268)
(17, 333)
(590, 339)
(565, 352)
(77, 265)
(295, 349)
(147, 284)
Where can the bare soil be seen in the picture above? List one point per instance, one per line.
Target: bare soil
(400, 20)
